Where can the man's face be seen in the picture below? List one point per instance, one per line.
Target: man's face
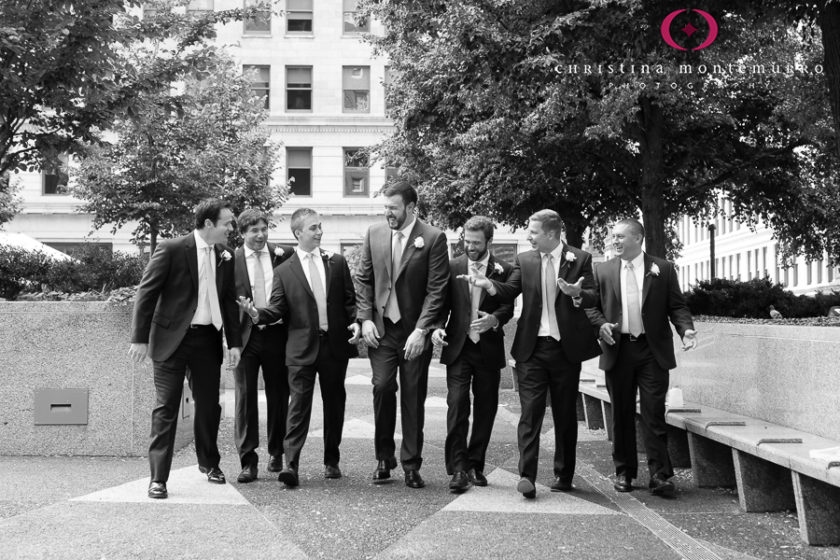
(541, 240)
(256, 236)
(396, 211)
(475, 245)
(218, 232)
(626, 242)
(309, 236)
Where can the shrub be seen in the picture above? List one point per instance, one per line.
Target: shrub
(733, 298)
(21, 269)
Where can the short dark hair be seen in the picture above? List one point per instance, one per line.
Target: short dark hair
(250, 217)
(549, 219)
(299, 215)
(482, 224)
(402, 188)
(634, 224)
(208, 209)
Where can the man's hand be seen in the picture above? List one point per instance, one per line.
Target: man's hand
(137, 352)
(689, 340)
(478, 280)
(246, 305)
(438, 338)
(233, 357)
(415, 344)
(571, 290)
(485, 322)
(370, 334)
(356, 331)
(606, 332)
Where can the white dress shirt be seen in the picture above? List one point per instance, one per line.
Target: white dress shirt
(268, 270)
(203, 316)
(556, 254)
(406, 231)
(319, 265)
(639, 271)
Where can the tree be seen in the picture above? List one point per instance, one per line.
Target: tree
(580, 106)
(204, 138)
(9, 201)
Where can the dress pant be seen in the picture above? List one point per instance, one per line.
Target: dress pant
(198, 351)
(469, 370)
(548, 372)
(387, 361)
(266, 349)
(331, 372)
(636, 367)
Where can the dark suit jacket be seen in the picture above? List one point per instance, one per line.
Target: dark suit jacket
(421, 278)
(491, 343)
(243, 283)
(167, 297)
(579, 341)
(293, 301)
(662, 300)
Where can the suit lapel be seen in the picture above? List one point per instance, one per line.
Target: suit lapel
(219, 272)
(647, 278)
(297, 270)
(385, 250)
(243, 283)
(615, 273)
(408, 248)
(465, 287)
(488, 273)
(192, 259)
(326, 273)
(565, 266)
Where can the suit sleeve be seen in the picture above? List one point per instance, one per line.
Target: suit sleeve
(594, 312)
(145, 301)
(510, 289)
(365, 278)
(504, 312)
(233, 336)
(437, 279)
(278, 306)
(678, 310)
(588, 292)
(349, 291)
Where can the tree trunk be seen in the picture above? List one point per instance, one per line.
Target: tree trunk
(830, 26)
(574, 233)
(153, 241)
(651, 177)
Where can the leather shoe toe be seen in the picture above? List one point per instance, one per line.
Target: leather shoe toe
(661, 486)
(289, 477)
(561, 485)
(460, 482)
(158, 490)
(214, 474)
(275, 464)
(248, 474)
(478, 478)
(623, 484)
(332, 471)
(382, 472)
(413, 479)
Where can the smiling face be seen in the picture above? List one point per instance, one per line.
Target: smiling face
(627, 242)
(256, 236)
(310, 233)
(397, 212)
(218, 232)
(540, 239)
(475, 244)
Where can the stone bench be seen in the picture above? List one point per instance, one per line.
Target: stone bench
(770, 465)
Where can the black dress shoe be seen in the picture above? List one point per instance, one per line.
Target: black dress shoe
(561, 485)
(413, 479)
(460, 482)
(275, 464)
(248, 474)
(623, 483)
(332, 471)
(382, 471)
(526, 488)
(158, 490)
(214, 474)
(477, 478)
(661, 486)
(289, 477)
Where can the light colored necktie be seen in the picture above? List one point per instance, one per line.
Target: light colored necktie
(634, 307)
(392, 308)
(475, 297)
(550, 295)
(259, 281)
(320, 294)
(212, 293)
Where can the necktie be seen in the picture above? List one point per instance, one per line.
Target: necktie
(475, 297)
(259, 281)
(550, 295)
(320, 294)
(634, 307)
(392, 309)
(212, 293)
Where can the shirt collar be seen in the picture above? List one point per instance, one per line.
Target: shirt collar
(199, 241)
(638, 261)
(406, 230)
(555, 253)
(303, 254)
(249, 251)
(485, 261)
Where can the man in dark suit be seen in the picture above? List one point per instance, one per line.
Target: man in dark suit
(638, 294)
(314, 295)
(474, 354)
(262, 347)
(404, 270)
(553, 337)
(186, 296)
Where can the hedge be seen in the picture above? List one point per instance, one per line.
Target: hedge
(733, 298)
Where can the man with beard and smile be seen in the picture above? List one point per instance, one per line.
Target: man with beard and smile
(474, 354)
(402, 287)
(637, 295)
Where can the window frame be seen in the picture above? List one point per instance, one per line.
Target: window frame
(298, 89)
(246, 68)
(360, 172)
(289, 167)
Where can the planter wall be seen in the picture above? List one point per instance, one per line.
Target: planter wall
(75, 345)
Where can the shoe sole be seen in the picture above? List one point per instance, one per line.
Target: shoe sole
(526, 488)
(666, 490)
(246, 480)
(332, 476)
(288, 480)
(622, 489)
(564, 489)
(159, 496)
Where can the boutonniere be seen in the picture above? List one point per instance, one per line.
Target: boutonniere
(327, 254)
(653, 270)
(570, 257)
(278, 251)
(419, 243)
(225, 257)
(497, 268)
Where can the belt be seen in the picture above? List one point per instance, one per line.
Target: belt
(626, 337)
(196, 327)
(548, 339)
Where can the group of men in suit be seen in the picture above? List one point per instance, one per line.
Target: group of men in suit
(294, 312)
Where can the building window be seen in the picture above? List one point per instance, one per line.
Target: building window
(299, 165)
(356, 173)
(299, 16)
(505, 252)
(260, 77)
(391, 174)
(55, 177)
(260, 22)
(199, 7)
(298, 88)
(356, 89)
(351, 24)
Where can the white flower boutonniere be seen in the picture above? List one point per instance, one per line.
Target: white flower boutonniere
(570, 257)
(654, 270)
(225, 256)
(327, 254)
(498, 268)
(278, 251)
(419, 243)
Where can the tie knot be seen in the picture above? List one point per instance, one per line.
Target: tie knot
(549, 257)
(398, 234)
(208, 249)
(478, 266)
(629, 266)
